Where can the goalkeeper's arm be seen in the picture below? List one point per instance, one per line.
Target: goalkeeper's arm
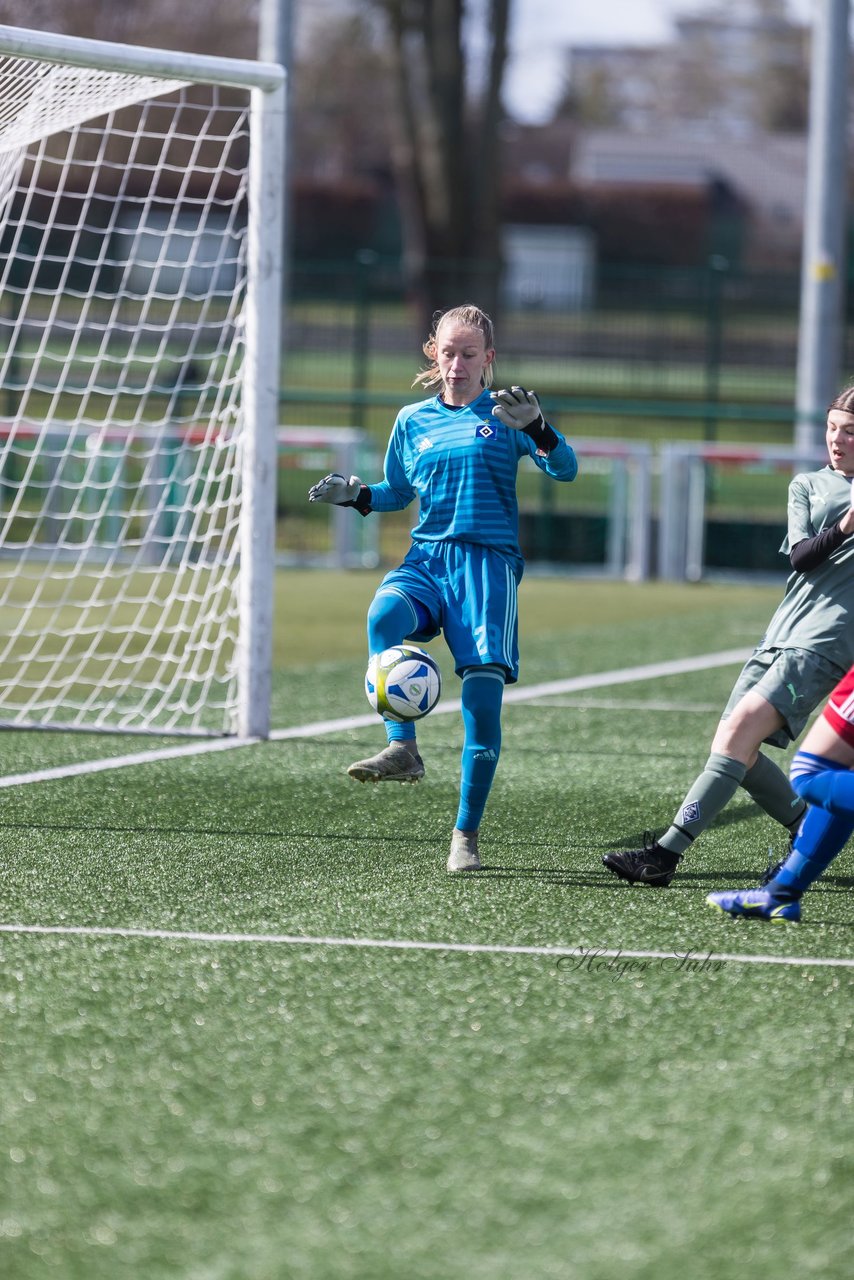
(342, 492)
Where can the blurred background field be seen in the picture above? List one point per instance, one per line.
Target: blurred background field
(635, 221)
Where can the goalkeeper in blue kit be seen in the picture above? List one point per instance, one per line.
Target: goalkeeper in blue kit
(458, 454)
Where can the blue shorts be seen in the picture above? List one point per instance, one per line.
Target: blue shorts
(469, 592)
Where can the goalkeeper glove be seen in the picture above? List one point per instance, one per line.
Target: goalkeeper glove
(520, 409)
(342, 492)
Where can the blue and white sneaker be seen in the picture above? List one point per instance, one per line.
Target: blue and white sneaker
(758, 903)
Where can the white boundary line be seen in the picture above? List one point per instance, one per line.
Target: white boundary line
(614, 704)
(515, 693)
(587, 956)
(124, 762)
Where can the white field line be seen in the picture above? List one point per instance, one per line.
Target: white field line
(611, 704)
(516, 693)
(124, 762)
(588, 957)
(652, 671)
(530, 692)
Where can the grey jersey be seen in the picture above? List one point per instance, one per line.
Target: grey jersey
(817, 611)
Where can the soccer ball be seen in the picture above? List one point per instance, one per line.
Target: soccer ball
(403, 683)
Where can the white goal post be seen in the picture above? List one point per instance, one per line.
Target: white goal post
(141, 206)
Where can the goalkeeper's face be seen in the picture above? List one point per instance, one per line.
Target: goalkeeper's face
(462, 357)
(840, 441)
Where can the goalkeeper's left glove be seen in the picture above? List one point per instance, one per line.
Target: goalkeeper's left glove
(520, 409)
(342, 492)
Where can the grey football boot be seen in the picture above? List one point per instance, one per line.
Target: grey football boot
(463, 855)
(398, 762)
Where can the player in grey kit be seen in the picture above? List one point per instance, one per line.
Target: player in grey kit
(808, 647)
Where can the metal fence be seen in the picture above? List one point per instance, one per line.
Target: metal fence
(710, 522)
(640, 360)
(706, 353)
(683, 511)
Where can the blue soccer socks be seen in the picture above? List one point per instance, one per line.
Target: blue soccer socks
(483, 690)
(828, 788)
(392, 616)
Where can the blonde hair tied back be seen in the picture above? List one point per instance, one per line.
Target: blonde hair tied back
(471, 317)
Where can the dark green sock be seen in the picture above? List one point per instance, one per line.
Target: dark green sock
(711, 792)
(770, 788)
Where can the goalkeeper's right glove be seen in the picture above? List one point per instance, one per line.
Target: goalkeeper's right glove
(342, 492)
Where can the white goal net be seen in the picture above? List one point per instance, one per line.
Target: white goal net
(140, 243)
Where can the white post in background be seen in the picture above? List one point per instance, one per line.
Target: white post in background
(823, 269)
(275, 44)
(275, 31)
(261, 410)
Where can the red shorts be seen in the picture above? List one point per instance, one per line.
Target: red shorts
(839, 712)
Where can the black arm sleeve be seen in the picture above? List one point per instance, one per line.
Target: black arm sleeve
(811, 552)
(542, 435)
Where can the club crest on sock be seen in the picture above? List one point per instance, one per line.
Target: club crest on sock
(691, 812)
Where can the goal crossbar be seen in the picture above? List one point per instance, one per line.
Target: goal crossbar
(162, 64)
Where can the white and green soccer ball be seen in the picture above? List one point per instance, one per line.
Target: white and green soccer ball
(403, 683)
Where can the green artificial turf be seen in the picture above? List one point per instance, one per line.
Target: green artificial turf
(231, 1105)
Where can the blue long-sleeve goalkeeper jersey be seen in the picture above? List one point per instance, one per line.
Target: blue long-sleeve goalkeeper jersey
(461, 464)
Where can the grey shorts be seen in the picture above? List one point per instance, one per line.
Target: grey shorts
(794, 681)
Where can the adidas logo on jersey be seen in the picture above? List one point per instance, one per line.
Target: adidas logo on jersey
(426, 443)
